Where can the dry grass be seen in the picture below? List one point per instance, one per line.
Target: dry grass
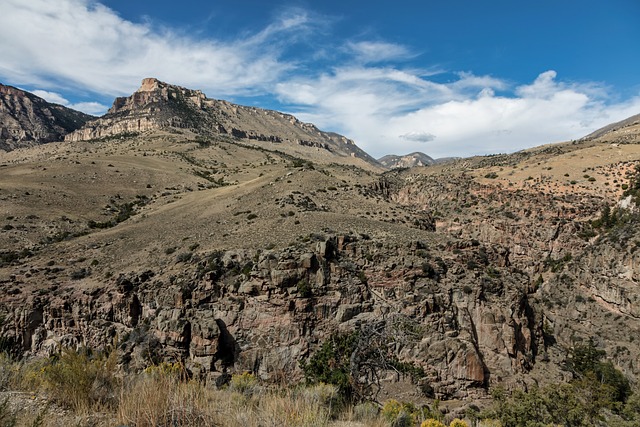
(76, 388)
(161, 400)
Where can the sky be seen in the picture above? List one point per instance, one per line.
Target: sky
(444, 77)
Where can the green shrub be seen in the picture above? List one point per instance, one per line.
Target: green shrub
(304, 289)
(184, 257)
(7, 416)
(330, 364)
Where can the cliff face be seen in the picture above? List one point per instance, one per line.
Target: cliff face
(157, 105)
(26, 119)
(250, 310)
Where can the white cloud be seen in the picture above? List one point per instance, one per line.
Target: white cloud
(385, 114)
(83, 44)
(94, 108)
(52, 97)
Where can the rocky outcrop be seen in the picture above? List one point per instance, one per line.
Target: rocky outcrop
(26, 119)
(264, 311)
(155, 105)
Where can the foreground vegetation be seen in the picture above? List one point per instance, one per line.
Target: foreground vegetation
(84, 389)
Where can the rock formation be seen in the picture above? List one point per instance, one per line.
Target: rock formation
(26, 119)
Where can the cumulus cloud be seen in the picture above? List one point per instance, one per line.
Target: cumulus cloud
(470, 115)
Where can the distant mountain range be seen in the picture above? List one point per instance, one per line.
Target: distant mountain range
(411, 160)
(27, 120)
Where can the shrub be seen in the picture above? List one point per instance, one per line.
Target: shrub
(304, 289)
(398, 414)
(433, 423)
(7, 416)
(330, 364)
(458, 423)
(184, 257)
(365, 412)
(80, 379)
(244, 383)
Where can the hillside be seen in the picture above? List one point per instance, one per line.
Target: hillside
(27, 120)
(247, 250)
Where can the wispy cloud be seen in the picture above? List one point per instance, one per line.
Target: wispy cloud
(83, 44)
(374, 52)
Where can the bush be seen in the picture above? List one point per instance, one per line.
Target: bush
(7, 416)
(399, 414)
(330, 364)
(184, 257)
(458, 423)
(434, 423)
(304, 289)
(80, 379)
(365, 412)
(244, 383)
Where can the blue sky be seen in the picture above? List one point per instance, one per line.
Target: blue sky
(448, 78)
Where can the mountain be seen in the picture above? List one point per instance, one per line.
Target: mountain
(227, 252)
(26, 119)
(417, 158)
(160, 106)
